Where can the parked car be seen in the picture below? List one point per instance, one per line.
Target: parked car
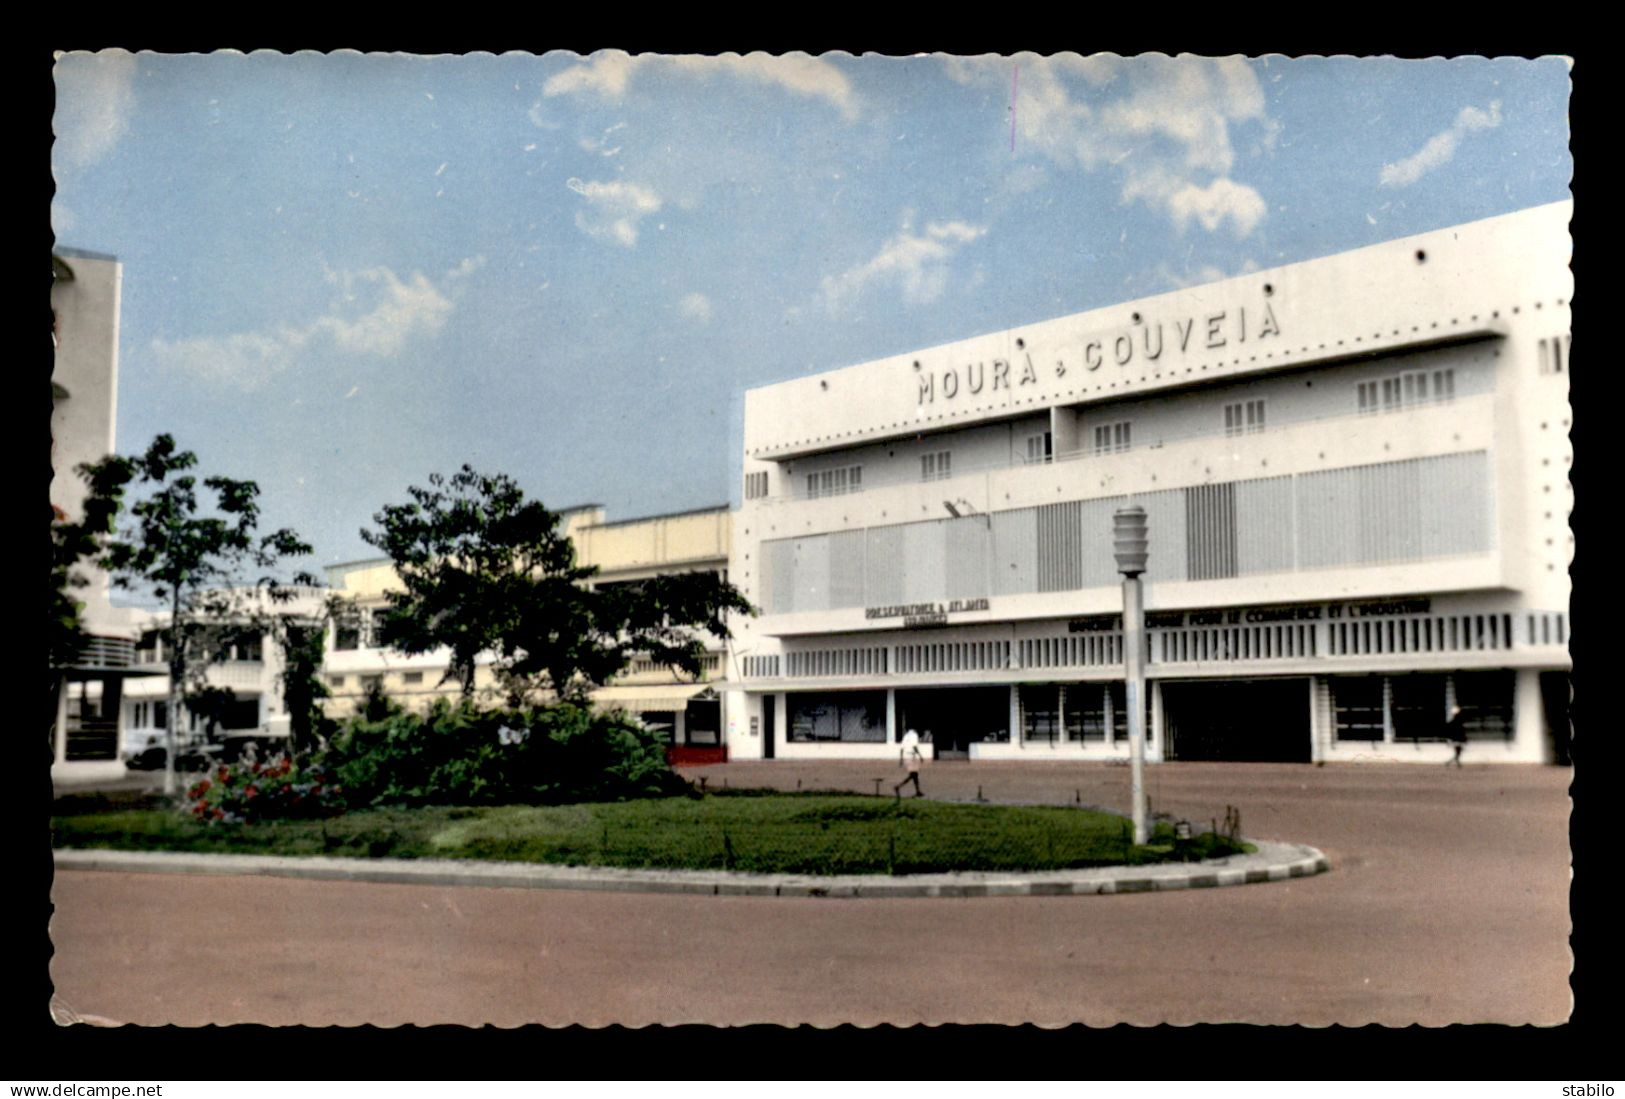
(144, 751)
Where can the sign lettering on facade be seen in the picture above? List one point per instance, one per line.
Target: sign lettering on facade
(1142, 342)
(926, 611)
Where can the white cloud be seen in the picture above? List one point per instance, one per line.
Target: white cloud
(1220, 201)
(1162, 124)
(95, 93)
(1441, 147)
(374, 312)
(695, 306)
(606, 75)
(614, 208)
(916, 263)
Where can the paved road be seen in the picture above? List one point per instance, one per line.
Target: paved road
(1448, 902)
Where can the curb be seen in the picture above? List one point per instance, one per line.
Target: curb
(1272, 862)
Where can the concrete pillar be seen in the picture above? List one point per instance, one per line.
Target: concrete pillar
(1529, 739)
(1015, 717)
(1157, 750)
(60, 736)
(891, 715)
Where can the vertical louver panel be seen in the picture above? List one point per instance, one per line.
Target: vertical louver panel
(846, 569)
(1457, 517)
(1015, 551)
(1210, 531)
(1060, 551)
(1099, 565)
(925, 562)
(883, 566)
(812, 574)
(1395, 511)
(779, 576)
(1166, 529)
(1264, 524)
(1390, 512)
(968, 544)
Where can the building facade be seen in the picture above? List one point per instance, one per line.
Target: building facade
(624, 552)
(243, 657)
(1356, 476)
(88, 733)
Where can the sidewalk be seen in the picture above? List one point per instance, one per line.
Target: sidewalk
(1272, 862)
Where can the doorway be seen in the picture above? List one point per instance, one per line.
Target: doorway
(951, 719)
(1245, 720)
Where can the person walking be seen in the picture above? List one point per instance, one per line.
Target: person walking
(910, 756)
(1456, 732)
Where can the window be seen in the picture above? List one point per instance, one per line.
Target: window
(1110, 438)
(375, 627)
(372, 683)
(1040, 714)
(1038, 449)
(1553, 353)
(412, 679)
(934, 466)
(1406, 390)
(1117, 696)
(1416, 707)
(1367, 392)
(246, 646)
(336, 681)
(347, 631)
(834, 482)
(756, 485)
(1485, 699)
(851, 716)
(1357, 706)
(1244, 417)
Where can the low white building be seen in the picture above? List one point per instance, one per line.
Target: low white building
(244, 658)
(626, 551)
(1356, 476)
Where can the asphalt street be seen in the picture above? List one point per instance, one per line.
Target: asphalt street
(1447, 902)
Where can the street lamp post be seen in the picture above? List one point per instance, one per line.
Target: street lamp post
(1129, 545)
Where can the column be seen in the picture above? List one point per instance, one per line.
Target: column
(1529, 739)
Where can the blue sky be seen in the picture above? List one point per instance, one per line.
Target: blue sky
(343, 272)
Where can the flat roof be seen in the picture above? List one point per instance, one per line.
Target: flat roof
(660, 515)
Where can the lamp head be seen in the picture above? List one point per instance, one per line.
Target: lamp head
(1129, 540)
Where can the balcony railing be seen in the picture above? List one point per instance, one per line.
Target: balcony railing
(106, 652)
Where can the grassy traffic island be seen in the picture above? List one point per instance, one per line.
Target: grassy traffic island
(760, 831)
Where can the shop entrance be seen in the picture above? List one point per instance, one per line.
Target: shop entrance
(952, 718)
(1249, 720)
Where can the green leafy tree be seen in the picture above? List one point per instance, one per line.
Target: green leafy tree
(196, 559)
(74, 542)
(302, 642)
(483, 570)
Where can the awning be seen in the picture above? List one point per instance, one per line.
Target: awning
(660, 697)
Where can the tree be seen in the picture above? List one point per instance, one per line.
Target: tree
(303, 644)
(485, 570)
(195, 562)
(73, 543)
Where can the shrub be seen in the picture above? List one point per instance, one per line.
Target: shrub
(456, 754)
(247, 793)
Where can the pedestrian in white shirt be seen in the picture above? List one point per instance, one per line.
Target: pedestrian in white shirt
(910, 756)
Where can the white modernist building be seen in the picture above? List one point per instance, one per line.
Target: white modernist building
(1356, 476)
(85, 294)
(244, 658)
